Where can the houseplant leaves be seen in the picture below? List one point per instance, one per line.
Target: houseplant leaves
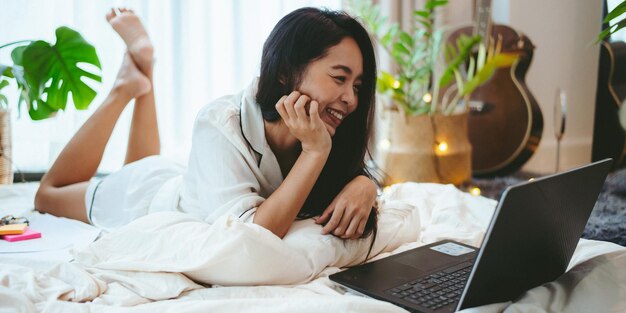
(47, 74)
(4, 102)
(614, 17)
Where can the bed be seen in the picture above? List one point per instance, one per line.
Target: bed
(171, 262)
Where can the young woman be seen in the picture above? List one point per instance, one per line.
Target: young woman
(292, 145)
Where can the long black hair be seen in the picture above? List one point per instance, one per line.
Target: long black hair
(299, 38)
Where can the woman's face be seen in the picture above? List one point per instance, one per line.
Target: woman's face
(333, 81)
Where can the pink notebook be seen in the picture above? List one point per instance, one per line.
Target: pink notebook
(28, 234)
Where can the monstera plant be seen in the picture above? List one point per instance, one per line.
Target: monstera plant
(46, 73)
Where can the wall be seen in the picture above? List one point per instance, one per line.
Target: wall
(566, 56)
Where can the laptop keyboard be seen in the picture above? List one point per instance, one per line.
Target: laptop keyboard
(436, 290)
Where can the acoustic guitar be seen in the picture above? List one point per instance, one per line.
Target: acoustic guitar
(609, 138)
(505, 122)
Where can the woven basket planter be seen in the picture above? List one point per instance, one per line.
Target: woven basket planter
(427, 148)
(6, 168)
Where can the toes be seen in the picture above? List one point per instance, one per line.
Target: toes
(118, 11)
(110, 15)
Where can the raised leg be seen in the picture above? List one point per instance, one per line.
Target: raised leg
(144, 132)
(62, 189)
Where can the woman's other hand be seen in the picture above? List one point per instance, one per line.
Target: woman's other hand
(348, 213)
(307, 127)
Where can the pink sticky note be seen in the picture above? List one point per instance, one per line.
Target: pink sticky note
(28, 234)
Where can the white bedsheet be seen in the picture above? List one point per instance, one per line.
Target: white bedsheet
(167, 261)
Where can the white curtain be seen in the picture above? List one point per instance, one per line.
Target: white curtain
(203, 49)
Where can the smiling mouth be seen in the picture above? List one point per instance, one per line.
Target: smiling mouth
(338, 115)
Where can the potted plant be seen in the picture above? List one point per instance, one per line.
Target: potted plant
(427, 133)
(616, 21)
(45, 74)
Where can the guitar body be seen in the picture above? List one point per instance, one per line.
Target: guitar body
(505, 122)
(609, 138)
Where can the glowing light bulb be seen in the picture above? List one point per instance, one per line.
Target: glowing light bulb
(442, 147)
(531, 179)
(427, 97)
(396, 84)
(475, 191)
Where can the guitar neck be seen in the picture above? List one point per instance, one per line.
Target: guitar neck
(482, 18)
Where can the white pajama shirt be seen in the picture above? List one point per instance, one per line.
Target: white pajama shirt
(231, 170)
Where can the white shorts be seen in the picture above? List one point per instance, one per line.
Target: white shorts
(125, 195)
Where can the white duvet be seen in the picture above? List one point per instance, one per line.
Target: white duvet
(172, 262)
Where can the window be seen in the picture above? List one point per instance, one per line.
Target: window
(203, 50)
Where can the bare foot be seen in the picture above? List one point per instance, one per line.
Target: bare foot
(129, 27)
(130, 80)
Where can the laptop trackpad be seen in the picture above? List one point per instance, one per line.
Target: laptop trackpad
(428, 260)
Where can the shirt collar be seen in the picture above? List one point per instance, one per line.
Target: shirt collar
(253, 129)
(252, 124)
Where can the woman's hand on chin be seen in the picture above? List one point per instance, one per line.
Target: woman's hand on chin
(347, 214)
(307, 127)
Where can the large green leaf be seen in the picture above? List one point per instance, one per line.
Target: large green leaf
(422, 13)
(611, 30)
(385, 81)
(18, 73)
(621, 24)
(505, 59)
(406, 39)
(3, 99)
(617, 11)
(432, 4)
(465, 45)
(52, 72)
(401, 49)
(603, 34)
(485, 72)
(6, 70)
(30, 91)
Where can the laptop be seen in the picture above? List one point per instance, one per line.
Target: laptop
(529, 242)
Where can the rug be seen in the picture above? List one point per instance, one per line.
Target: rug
(608, 218)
